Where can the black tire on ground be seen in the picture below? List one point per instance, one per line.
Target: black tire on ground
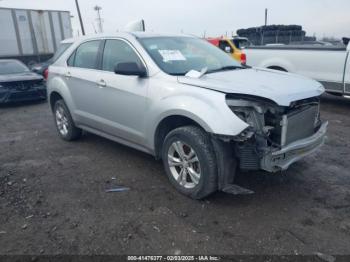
(199, 140)
(74, 132)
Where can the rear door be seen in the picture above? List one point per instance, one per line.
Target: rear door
(82, 76)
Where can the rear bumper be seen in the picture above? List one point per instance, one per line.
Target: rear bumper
(37, 93)
(283, 158)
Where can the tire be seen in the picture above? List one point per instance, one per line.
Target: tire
(198, 140)
(63, 118)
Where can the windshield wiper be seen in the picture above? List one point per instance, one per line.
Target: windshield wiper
(224, 68)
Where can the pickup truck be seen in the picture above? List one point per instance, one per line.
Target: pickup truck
(328, 65)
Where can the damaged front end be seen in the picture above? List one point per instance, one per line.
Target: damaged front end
(277, 136)
(22, 90)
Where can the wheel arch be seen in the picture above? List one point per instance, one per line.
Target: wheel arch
(279, 68)
(169, 123)
(53, 98)
(57, 88)
(278, 64)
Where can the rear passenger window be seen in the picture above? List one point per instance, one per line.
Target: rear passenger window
(86, 55)
(118, 51)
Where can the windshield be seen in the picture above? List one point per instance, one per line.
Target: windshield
(12, 67)
(179, 55)
(60, 50)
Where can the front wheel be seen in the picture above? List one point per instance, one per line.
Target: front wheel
(64, 122)
(190, 162)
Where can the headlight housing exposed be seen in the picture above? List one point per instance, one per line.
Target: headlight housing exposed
(252, 111)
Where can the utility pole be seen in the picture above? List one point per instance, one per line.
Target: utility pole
(263, 28)
(99, 19)
(80, 19)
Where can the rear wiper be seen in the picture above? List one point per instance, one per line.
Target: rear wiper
(224, 68)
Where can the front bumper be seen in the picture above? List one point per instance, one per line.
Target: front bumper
(9, 95)
(283, 158)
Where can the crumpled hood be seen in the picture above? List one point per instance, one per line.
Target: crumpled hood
(280, 87)
(20, 77)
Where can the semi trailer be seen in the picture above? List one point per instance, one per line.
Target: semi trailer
(32, 36)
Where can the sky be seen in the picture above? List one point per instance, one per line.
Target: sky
(329, 18)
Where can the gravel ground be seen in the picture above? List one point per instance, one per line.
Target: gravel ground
(53, 199)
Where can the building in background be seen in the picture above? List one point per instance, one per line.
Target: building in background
(32, 35)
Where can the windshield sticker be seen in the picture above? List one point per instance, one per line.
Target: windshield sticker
(172, 55)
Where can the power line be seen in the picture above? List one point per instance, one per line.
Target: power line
(80, 19)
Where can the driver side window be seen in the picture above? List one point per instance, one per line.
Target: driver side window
(118, 51)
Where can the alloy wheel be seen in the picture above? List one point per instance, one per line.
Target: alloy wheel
(61, 120)
(184, 164)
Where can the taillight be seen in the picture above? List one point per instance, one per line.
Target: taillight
(243, 58)
(46, 73)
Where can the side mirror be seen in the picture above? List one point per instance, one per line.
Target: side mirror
(130, 69)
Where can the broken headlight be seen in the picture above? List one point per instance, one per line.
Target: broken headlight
(250, 112)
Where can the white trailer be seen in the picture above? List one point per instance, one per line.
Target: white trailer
(32, 35)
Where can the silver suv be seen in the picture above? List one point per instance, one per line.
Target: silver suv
(186, 102)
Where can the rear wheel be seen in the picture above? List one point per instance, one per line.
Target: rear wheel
(64, 122)
(190, 162)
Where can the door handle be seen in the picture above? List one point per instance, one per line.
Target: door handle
(101, 83)
(68, 75)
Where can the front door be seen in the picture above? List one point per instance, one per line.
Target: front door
(123, 98)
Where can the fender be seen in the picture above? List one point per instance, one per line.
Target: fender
(210, 112)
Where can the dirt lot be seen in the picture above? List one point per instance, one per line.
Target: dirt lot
(53, 199)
